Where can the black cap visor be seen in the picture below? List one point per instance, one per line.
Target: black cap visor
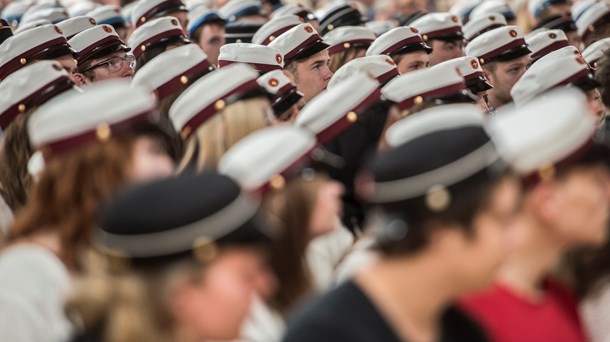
(515, 53)
(309, 51)
(477, 85)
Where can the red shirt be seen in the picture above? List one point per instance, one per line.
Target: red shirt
(510, 317)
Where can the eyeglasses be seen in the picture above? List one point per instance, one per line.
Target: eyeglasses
(114, 64)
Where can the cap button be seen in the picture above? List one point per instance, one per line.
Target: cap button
(277, 182)
(21, 108)
(23, 61)
(418, 100)
(184, 79)
(438, 198)
(185, 132)
(219, 105)
(204, 249)
(103, 132)
(352, 116)
(346, 45)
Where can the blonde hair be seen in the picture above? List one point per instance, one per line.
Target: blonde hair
(337, 60)
(212, 139)
(128, 306)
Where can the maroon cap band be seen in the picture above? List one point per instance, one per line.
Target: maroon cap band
(137, 51)
(207, 112)
(76, 141)
(502, 49)
(288, 173)
(258, 66)
(548, 49)
(385, 78)
(352, 43)
(405, 42)
(40, 96)
(276, 34)
(339, 126)
(577, 76)
(16, 63)
(474, 75)
(444, 91)
(89, 51)
(283, 90)
(182, 81)
(291, 55)
(536, 177)
(162, 7)
(444, 32)
(483, 30)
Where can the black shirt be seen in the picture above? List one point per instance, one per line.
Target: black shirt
(347, 314)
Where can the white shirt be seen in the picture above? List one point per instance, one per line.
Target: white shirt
(595, 313)
(33, 286)
(324, 253)
(358, 258)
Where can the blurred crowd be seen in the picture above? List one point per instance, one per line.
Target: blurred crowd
(267, 170)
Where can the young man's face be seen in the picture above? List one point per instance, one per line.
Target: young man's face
(445, 50)
(476, 257)
(312, 75)
(413, 61)
(503, 77)
(211, 38)
(576, 206)
(107, 71)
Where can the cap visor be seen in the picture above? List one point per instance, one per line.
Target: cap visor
(310, 50)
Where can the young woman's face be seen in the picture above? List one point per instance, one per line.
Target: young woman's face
(326, 209)
(578, 206)
(150, 160)
(221, 301)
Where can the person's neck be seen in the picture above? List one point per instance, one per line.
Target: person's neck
(185, 334)
(495, 101)
(534, 259)
(411, 294)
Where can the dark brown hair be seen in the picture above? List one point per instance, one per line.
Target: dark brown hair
(469, 198)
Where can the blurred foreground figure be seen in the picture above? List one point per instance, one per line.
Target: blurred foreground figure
(566, 205)
(182, 264)
(90, 150)
(434, 218)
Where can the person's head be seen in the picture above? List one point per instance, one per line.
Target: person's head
(481, 24)
(406, 48)
(473, 75)
(545, 42)
(455, 217)
(45, 42)
(306, 203)
(260, 57)
(108, 149)
(200, 287)
(381, 67)
(243, 11)
(207, 30)
(20, 94)
(344, 14)
(111, 15)
(567, 202)
(101, 55)
(557, 70)
(306, 59)
(422, 89)
(168, 75)
(504, 57)
(283, 94)
(602, 75)
(217, 111)
(155, 37)
(347, 43)
(443, 31)
(338, 108)
(594, 23)
(274, 28)
(146, 11)
(70, 27)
